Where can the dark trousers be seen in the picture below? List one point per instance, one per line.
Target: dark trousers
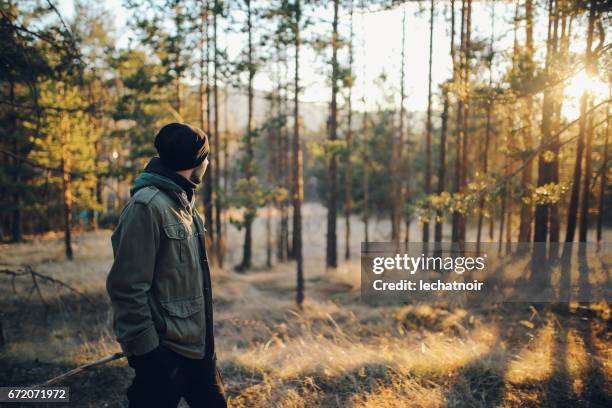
(163, 382)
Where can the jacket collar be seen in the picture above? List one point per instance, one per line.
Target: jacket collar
(175, 185)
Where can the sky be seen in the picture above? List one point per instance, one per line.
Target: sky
(377, 48)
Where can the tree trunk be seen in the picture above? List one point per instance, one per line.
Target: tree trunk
(365, 160)
(603, 180)
(442, 168)
(332, 172)
(205, 101)
(398, 148)
(526, 212)
(66, 186)
(554, 220)
(582, 124)
(586, 186)
(443, 135)
(466, 115)
(17, 223)
(504, 203)
(348, 175)
(219, 245)
(458, 79)
(298, 186)
(485, 157)
(542, 211)
(177, 61)
(248, 165)
(283, 170)
(428, 124)
(226, 142)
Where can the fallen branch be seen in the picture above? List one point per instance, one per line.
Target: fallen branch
(37, 275)
(80, 369)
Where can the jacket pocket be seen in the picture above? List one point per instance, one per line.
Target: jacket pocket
(177, 234)
(184, 320)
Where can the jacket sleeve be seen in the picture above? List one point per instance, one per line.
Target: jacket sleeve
(135, 243)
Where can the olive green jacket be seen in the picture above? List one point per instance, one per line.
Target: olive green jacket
(159, 283)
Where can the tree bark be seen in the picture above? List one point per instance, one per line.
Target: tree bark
(485, 158)
(248, 164)
(586, 186)
(205, 100)
(542, 211)
(332, 172)
(177, 60)
(458, 79)
(442, 168)
(572, 211)
(603, 180)
(298, 186)
(398, 148)
(526, 212)
(443, 135)
(365, 157)
(66, 185)
(219, 245)
(348, 175)
(16, 220)
(466, 116)
(428, 125)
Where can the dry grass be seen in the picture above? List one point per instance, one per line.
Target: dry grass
(336, 351)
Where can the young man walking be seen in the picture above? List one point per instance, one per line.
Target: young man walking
(159, 283)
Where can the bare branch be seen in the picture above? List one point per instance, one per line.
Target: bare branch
(80, 369)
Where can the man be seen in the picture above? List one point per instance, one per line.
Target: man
(159, 283)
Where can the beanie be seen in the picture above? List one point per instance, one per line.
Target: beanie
(181, 147)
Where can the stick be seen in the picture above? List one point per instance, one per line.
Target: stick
(80, 369)
(34, 275)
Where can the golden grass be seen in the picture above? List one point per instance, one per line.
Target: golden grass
(334, 352)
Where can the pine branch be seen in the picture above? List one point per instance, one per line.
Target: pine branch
(57, 170)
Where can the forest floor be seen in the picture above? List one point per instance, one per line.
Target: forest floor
(335, 352)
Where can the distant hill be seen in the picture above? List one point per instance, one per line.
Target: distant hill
(314, 114)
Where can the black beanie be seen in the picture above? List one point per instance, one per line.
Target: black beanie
(181, 147)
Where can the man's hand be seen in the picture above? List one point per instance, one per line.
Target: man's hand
(158, 358)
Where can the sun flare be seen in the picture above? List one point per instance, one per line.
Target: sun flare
(576, 86)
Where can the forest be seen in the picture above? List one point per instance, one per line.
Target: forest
(331, 124)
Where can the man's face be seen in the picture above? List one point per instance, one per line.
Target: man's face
(197, 174)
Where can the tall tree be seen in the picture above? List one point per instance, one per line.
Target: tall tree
(562, 59)
(466, 115)
(542, 210)
(603, 180)
(572, 211)
(444, 130)
(489, 109)
(249, 171)
(204, 108)
(526, 212)
(209, 181)
(298, 184)
(586, 188)
(36, 46)
(348, 174)
(66, 179)
(216, 162)
(428, 125)
(398, 147)
(331, 259)
(459, 84)
(364, 148)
